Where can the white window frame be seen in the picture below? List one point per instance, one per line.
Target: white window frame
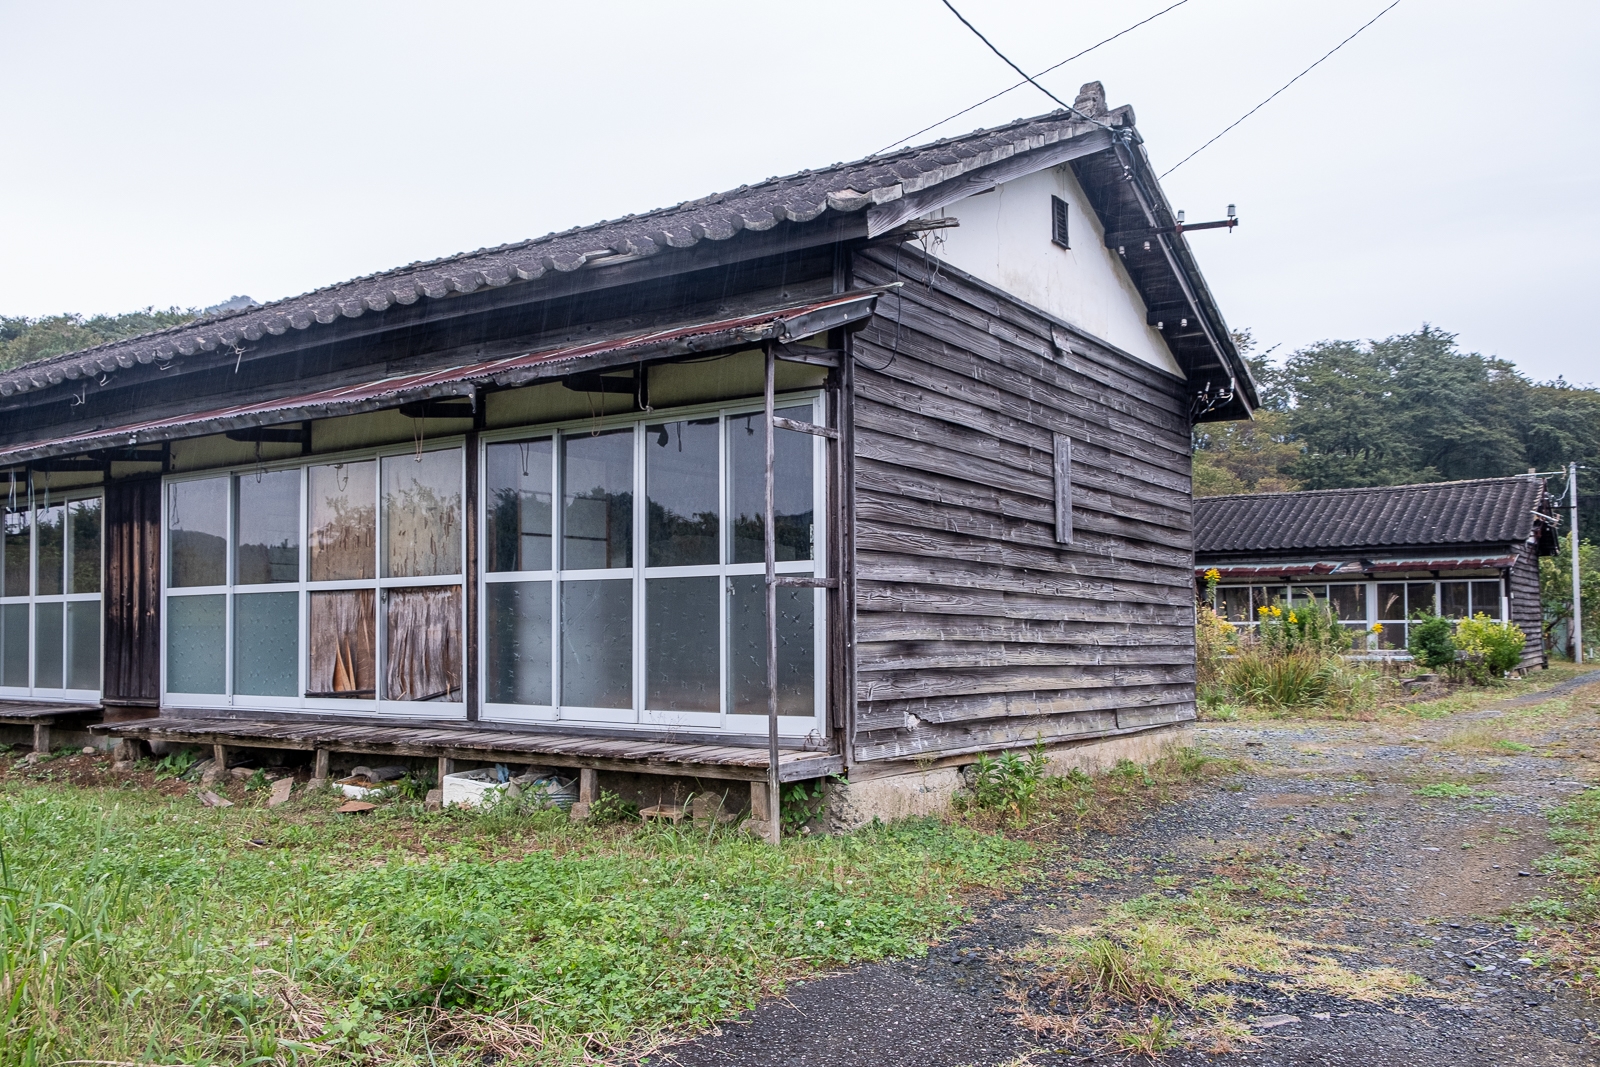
(1499, 613)
(373, 707)
(639, 715)
(33, 598)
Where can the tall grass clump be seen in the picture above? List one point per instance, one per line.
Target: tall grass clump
(1294, 659)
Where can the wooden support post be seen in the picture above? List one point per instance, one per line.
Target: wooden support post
(219, 753)
(319, 767)
(41, 737)
(586, 791)
(446, 766)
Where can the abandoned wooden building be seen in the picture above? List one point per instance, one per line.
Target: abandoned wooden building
(531, 504)
(1383, 554)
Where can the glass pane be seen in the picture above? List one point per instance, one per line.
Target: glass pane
(747, 648)
(422, 515)
(342, 660)
(597, 480)
(83, 528)
(48, 645)
(266, 644)
(683, 650)
(1419, 597)
(1267, 596)
(51, 525)
(268, 529)
(1393, 635)
(1349, 602)
(519, 506)
(518, 629)
(792, 490)
(423, 642)
(681, 490)
(1233, 603)
(342, 499)
(14, 573)
(83, 644)
(597, 644)
(197, 534)
(196, 645)
(14, 645)
(1453, 600)
(1391, 600)
(1486, 598)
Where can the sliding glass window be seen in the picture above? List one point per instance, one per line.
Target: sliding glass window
(334, 585)
(624, 572)
(50, 563)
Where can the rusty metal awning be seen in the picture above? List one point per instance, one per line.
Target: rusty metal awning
(789, 324)
(1354, 568)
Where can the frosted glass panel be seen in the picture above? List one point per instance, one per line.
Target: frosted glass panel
(597, 644)
(268, 529)
(518, 495)
(48, 646)
(423, 643)
(343, 530)
(343, 661)
(14, 571)
(50, 530)
(14, 644)
(597, 475)
(518, 632)
(83, 531)
(792, 490)
(196, 644)
(197, 533)
(682, 645)
(422, 514)
(747, 648)
(681, 489)
(83, 645)
(266, 644)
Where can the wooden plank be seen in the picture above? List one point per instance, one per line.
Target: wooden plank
(911, 540)
(1159, 715)
(897, 596)
(877, 656)
(1063, 487)
(885, 629)
(966, 574)
(1113, 681)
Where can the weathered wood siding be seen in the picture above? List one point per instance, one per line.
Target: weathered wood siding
(132, 598)
(1526, 609)
(975, 629)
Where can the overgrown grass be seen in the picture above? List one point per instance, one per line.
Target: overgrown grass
(1571, 943)
(1178, 959)
(137, 927)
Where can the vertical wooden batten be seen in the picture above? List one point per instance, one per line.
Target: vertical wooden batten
(470, 577)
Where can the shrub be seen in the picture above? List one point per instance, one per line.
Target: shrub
(1263, 675)
(1309, 626)
(1213, 641)
(1496, 646)
(1432, 642)
(1009, 783)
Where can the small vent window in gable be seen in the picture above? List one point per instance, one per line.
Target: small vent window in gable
(1058, 222)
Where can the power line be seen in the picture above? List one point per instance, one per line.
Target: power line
(1286, 85)
(1026, 76)
(1028, 81)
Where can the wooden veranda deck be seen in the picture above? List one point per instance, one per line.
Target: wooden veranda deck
(42, 715)
(470, 743)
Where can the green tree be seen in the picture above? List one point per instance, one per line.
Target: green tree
(1555, 592)
(23, 339)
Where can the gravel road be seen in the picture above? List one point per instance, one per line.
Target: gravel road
(1416, 882)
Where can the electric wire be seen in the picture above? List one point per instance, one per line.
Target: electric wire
(1286, 85)
(1026, 76)
(1027, 81)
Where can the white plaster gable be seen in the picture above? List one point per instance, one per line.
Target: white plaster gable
(1004, 239)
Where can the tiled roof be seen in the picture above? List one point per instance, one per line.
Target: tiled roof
(1482, 511)
(843, 187)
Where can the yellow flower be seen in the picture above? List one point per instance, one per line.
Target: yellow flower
(1276, 611)
(1292, 617)
(1213, 575)
(1262, 610)
(1377, 627)
(1229, 628)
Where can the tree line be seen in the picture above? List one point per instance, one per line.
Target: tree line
(24, 339)
(1410, 408)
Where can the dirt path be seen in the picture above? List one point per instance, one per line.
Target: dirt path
(1403, 843)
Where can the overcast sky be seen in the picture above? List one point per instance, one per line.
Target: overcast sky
(1441, 168)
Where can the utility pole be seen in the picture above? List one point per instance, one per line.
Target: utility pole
(1577, 599)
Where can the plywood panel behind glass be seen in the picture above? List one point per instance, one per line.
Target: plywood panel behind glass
(423, 643)
(342, 659)
(342, 500)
